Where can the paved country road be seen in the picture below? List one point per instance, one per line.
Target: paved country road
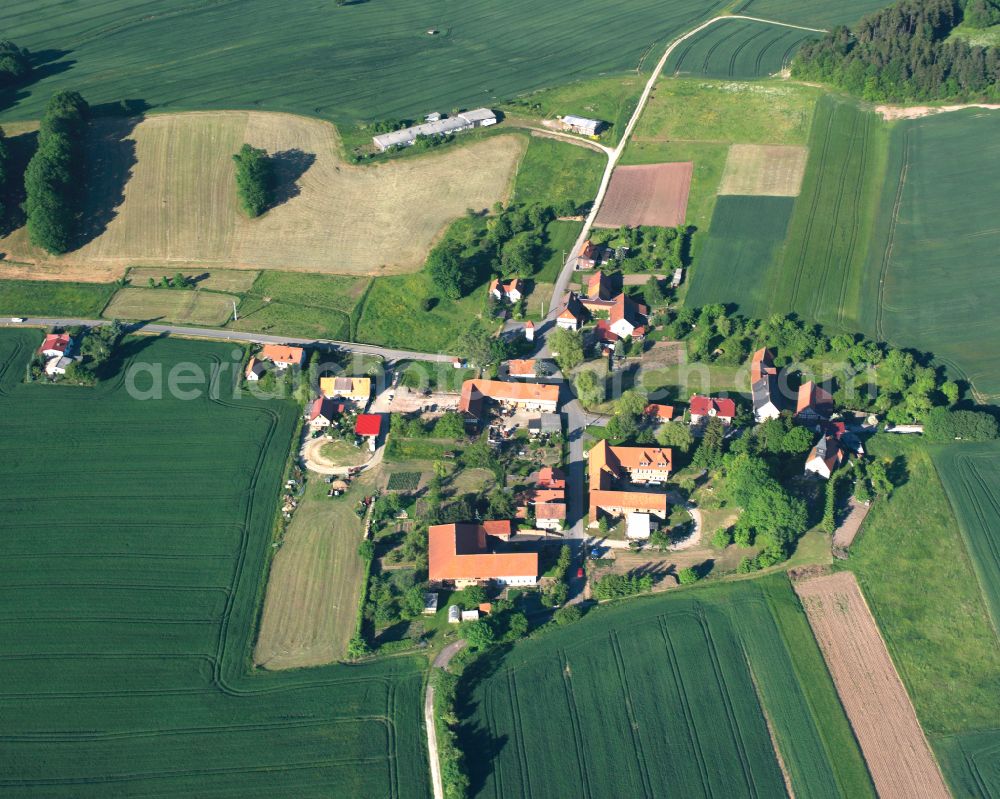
(238, 335)
(441, 662)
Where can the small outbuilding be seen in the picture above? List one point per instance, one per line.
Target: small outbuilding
(431, 603)
(454, 614)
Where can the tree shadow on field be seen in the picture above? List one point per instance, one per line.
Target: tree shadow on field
(44, 64)
(480, 747)
(289, 166)
(111, 154)
(20, 149)
(898, 472)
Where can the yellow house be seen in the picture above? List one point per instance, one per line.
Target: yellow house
(358, 389)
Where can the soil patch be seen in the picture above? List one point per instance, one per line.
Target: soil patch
(653, 194)
(879, 709)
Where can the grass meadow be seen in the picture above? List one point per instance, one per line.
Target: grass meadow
(54, 298)
(359, 61)
(811, 13)
(552, 172)
(611, 99)
(727, 112)
(131, 593)
(666, 694)
(931, 277)
(209, 308)
(739, 49)
(971, 477)
(918, 577)
(315, 581)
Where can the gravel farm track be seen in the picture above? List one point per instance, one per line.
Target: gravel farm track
(884, 721)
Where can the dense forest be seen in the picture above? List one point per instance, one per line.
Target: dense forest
(904, 53)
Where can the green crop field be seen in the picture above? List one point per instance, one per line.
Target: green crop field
(935, 248)
(971, 477)
(743, 244)
(737, 48)
(661, 697)
(389, 58)
(136, 537)
(821, 275)
(921, 584)
(54, 298)
(812, 13)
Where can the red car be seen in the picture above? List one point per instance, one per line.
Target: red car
(579, 573)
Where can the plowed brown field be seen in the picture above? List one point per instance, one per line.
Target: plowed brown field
(653, 194)
(879, 709)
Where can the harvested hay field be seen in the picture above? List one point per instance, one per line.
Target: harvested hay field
(183, 306)
(886, 726)
(162, 191)
(764, 170)
(652, 194)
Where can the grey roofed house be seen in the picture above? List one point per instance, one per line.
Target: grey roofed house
(766, 398)
(546, 424)
(480, 117)
(582, 124)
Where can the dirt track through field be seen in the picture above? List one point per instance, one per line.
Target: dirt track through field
(653, 194)
(898, 756)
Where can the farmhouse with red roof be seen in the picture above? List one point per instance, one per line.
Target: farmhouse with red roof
(506, 291)
(705, 408)
(462, 555)
(55, 345)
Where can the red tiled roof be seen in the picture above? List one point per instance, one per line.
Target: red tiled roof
(815, 397)
(475, 390)
(55, 341)
(550, 477)
(459, 552)
(723, 406)
(277, 353)
(521, 368)
(762, 364)
(604, 332)
(665, 412)
(550, 510)
(368, 424)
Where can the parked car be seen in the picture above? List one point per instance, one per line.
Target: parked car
(579, 573)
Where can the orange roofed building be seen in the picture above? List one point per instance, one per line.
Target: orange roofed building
(281, 356)
(460, 554)
(528, 396)
(609, 464)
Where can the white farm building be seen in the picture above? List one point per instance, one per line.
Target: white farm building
(467, 120)
(588, 127)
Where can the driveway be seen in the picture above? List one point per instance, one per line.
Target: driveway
(440, 662)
